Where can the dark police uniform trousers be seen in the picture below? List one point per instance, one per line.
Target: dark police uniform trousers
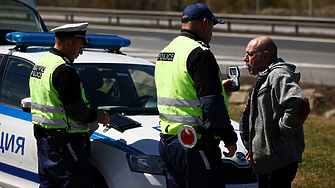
(191, 168)
(68, 169)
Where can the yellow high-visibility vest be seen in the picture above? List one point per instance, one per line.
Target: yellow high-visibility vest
(178, 104)
(46, 107)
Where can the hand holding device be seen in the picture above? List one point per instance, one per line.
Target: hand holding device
(233, 73)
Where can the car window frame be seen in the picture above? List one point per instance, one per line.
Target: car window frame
(3, 70)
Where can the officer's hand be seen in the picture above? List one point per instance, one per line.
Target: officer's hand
(227, 85)
(231, 151)
(103, 118)
(248, 158)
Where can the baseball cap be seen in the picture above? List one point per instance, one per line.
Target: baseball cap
(198, 11)
(72, 30)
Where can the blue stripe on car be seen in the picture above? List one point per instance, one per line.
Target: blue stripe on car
(25, 174)
(31, 176)
(14, 112)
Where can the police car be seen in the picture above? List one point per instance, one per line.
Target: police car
(122, 154)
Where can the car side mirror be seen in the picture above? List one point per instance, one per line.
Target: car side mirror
(26, 104)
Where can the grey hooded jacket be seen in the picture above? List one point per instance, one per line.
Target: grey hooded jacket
(274, 104)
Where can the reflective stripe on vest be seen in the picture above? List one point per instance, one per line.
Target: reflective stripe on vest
(58, 123)
(178, 102)
(46, 108)
(49, 109)
(188, 119)
(185, 119)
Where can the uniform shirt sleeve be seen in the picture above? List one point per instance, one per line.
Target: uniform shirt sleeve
(204, 71)
(66, 81)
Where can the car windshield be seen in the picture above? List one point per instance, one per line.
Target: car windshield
(15, 16)
(119, 88)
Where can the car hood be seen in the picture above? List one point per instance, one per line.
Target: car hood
(144, 139)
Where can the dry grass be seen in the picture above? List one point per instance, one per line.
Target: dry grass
(318, 166)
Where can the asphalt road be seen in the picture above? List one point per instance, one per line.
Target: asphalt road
(314, 58)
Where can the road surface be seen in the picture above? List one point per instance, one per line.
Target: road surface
(314, 58)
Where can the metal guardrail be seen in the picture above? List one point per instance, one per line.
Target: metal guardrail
(69, 14)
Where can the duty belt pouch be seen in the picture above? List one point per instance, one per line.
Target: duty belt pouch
(87, 141)
(58, 137)
(207, 138)
(167, 138)
(37, 132)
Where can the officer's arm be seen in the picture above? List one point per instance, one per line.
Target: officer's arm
(67, 82)
(204, 71)
(80, 112)
(215, 109)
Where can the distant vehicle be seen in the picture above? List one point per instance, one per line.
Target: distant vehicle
(19, 15)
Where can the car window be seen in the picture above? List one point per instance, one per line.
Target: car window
(144, 81)
(119, 88)
(15, 85)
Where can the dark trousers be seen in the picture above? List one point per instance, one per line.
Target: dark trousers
(190, 168)
(69, 168)
(280, 178)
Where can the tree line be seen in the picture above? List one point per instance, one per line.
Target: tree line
(320, 8)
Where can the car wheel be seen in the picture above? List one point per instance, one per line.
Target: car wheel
(98, 179)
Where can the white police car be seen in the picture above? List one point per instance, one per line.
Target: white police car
(122, 155)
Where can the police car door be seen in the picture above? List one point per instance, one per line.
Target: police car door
(18, 157)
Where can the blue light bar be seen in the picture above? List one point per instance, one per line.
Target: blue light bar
(48, 39)
(31, 38)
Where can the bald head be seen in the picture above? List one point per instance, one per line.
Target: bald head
(261, 52)
(264, 43)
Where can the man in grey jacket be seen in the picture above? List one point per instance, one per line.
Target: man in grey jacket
(272, 121)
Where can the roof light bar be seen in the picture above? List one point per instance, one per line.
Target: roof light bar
(48, 39)
(107, 41)
(31, 38)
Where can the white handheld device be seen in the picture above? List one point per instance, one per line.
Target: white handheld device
(233, 72)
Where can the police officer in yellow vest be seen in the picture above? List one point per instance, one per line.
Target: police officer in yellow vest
(191, 102)
(61, 114)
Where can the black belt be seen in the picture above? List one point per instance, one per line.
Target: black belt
(60, 137)
(167, 138)
(201, 144)
(44, 133)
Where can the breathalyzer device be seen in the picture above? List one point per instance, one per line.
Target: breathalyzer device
(233, 72)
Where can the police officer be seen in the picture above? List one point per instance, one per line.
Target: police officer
(61, 114)
(191, 101)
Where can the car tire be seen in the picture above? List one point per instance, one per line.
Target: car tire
(98, 179)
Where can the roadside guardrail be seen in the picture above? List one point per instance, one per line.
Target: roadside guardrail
(70, 14)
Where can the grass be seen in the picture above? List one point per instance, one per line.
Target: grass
(318, 166)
